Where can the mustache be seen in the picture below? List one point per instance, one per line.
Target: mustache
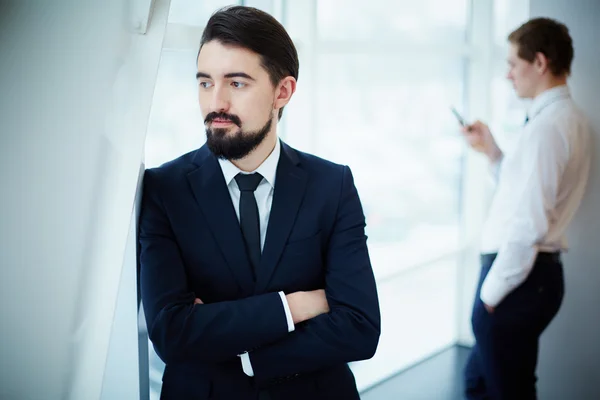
(220, 115)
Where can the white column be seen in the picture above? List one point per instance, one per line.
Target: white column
(77, 85)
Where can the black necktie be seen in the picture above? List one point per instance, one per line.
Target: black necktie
(249, 219)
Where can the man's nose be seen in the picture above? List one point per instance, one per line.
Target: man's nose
(220, 101)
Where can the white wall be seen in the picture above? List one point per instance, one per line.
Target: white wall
(125, 359)
(77, 84)
(569, 365)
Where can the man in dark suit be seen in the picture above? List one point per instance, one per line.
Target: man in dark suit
(255, 275)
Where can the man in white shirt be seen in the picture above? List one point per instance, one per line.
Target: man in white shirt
(255, 274)
(540, 185)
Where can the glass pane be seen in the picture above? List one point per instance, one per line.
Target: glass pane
(388, 118)
(195, 12)
(419, 319)
(175, 125)
(425, 21)
(508, 15)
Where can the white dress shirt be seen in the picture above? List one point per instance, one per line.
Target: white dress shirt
(264, 199)
(540, 185)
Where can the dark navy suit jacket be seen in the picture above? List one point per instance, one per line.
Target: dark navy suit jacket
(191, 246)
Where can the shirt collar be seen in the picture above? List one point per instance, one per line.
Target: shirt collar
(268, 169)
(546, 98)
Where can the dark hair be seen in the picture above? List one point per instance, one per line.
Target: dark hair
(255, 30)
(546, 36)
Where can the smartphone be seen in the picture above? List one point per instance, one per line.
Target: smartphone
(459, 117)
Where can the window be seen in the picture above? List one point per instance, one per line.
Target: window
(422, 22)
(377, 80)
(387, 116)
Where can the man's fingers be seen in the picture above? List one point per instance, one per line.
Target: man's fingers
(198, 301)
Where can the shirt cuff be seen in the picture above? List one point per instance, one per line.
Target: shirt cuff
(246, 364)
(288, 313)
(245, 357)
(494, 168)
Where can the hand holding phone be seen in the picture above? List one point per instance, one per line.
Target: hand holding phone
(479, 137)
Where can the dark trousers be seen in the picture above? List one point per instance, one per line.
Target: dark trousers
(503, 361)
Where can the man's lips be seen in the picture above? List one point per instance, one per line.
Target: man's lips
(221, 122)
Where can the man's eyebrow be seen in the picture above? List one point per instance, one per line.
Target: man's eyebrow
(239, 75)
(227, 76)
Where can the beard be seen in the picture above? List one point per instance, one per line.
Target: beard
(236, 145)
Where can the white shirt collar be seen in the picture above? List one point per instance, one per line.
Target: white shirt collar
(268, 169)
(546, 98)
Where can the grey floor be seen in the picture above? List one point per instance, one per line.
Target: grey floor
(437, 378)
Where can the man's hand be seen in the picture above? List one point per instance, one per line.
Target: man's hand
(307, 305)
(489, 309)
(198, 301)
(480, 138)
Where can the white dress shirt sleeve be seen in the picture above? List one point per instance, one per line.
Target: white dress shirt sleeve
(495, 168)
(246, 364)
(542, 160)
(288, 313)
(245, 357)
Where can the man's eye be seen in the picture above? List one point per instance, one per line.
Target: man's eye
(205, 85)
(238, 84)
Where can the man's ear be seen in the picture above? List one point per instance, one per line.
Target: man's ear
(284, 91)
(540, 63)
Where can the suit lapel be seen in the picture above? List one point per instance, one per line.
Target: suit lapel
(211, 193)
(290, 185)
